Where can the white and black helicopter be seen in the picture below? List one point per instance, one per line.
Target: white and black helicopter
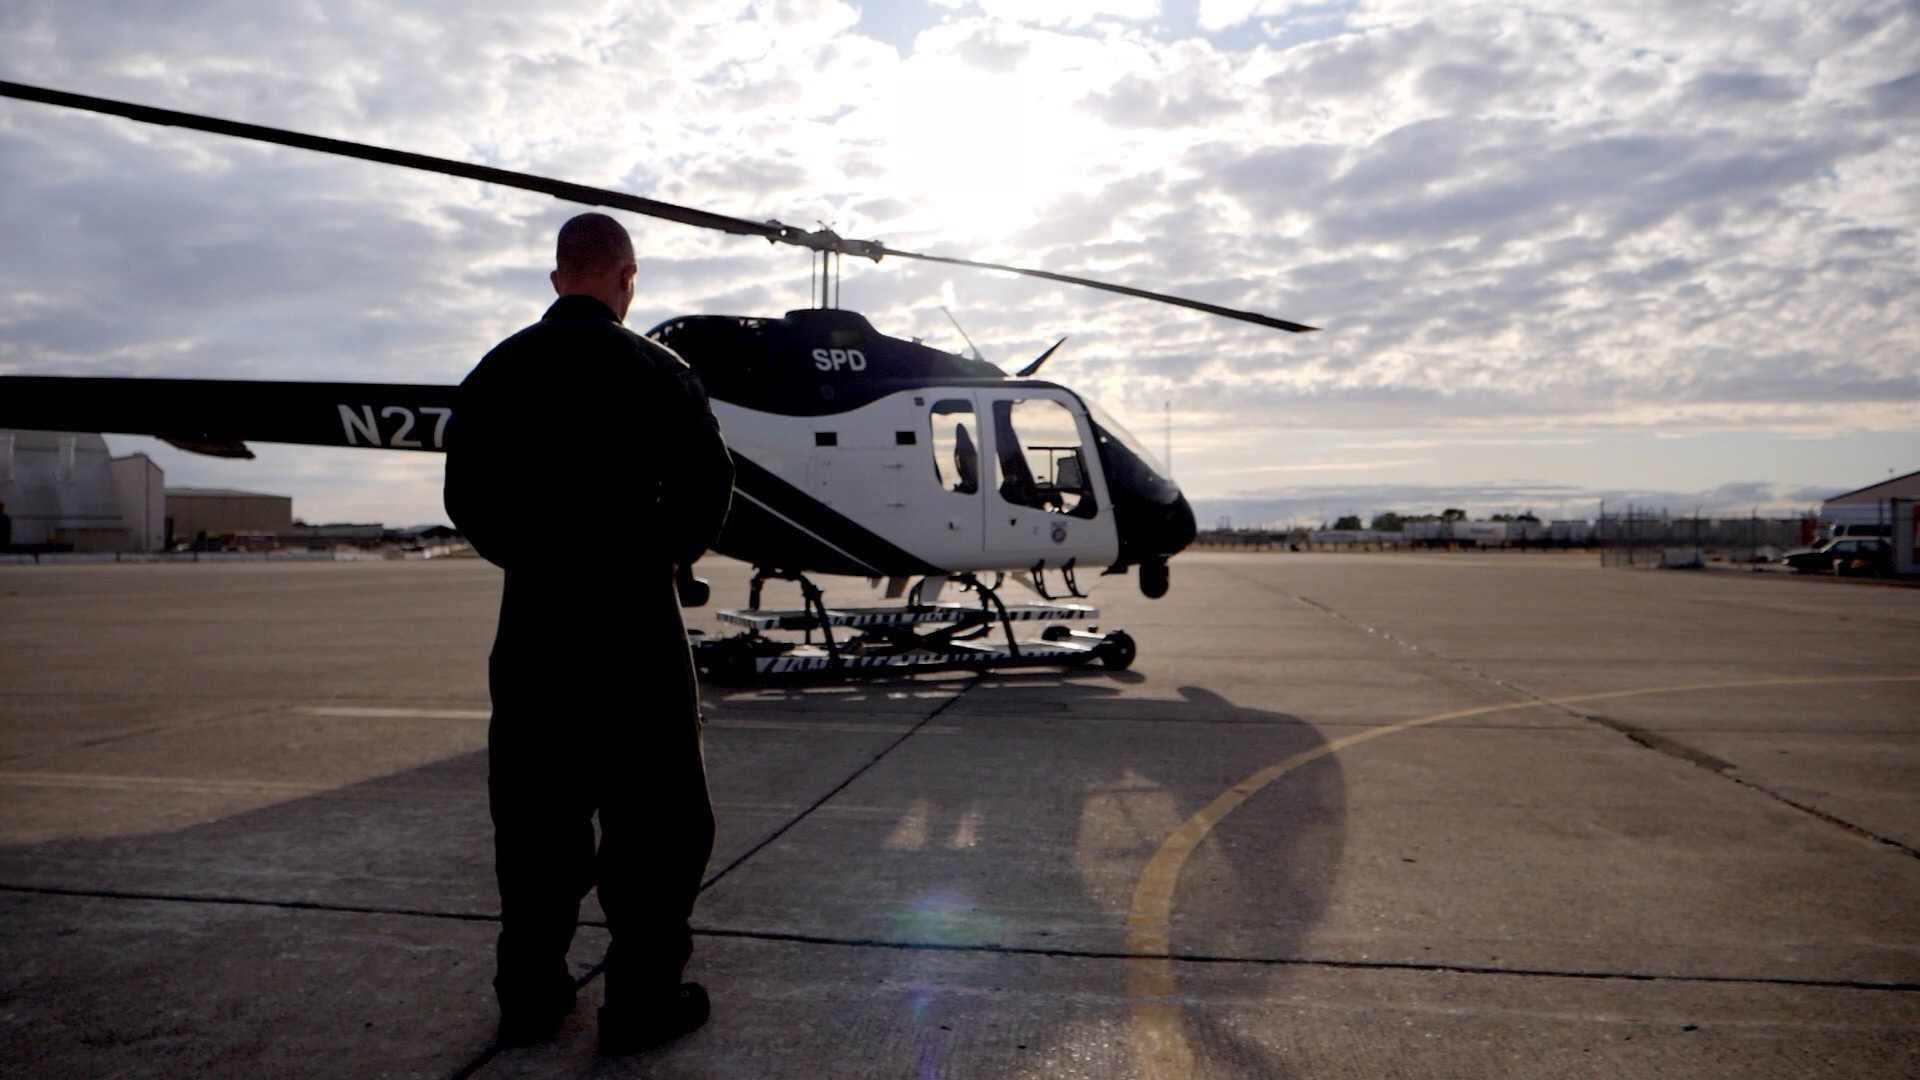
(856, 454)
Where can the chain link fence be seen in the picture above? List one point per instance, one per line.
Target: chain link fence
(1646, 537)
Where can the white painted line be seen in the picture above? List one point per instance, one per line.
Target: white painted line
(363, 712)
(910, 833)
(831, 725)
(368, 712)
(195, 785)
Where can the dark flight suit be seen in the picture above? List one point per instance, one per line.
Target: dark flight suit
(584, 460)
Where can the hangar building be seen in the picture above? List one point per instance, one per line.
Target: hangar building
(1890, 508)
(1864, 502)
(220, 512)
(64, 491)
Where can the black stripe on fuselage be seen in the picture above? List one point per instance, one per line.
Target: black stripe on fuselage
(777, 526)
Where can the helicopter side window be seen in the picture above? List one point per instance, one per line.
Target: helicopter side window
(1042, 462)
(956, 453)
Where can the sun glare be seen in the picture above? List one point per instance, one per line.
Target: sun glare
(977, 154)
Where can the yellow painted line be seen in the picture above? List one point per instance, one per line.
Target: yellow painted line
(1159, 1031)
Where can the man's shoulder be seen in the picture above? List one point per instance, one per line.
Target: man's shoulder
(615, 341)
(658, 354)
(503, 355)
(598, 331)
(568, 338)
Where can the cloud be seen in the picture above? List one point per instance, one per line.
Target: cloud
(1740, 90)
(1217, 15)
(992, 48)
(1314, 505)
(1060, 13)
(1600, 217)
(1896, 98)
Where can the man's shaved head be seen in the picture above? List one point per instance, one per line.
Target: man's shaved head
(591, 243)
(594, 257)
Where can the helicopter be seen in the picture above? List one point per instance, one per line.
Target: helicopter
(856, 453)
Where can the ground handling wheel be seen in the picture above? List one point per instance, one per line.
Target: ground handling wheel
(1117, 651)
(724, 661)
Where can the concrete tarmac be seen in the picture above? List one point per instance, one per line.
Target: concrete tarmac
(1375, 815)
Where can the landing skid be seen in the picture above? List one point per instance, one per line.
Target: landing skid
(855, 642)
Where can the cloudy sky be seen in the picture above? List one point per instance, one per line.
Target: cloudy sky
(1561, 251)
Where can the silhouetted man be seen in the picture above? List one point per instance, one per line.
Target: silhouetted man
(595, 708)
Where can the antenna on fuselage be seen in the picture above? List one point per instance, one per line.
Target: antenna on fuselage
(963, 333)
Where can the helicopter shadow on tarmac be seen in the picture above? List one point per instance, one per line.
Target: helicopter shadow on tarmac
(345, 932)
(906, 894)
(985, 864)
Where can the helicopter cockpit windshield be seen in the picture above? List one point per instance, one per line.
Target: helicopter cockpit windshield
(1106, 426)
(1155, 519)
(1037, 445)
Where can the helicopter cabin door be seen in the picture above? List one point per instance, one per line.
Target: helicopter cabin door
(954, 520)
(1045, 494)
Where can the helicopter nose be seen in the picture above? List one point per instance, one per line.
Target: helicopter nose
(1152, 530)
(1152, 514)
(1171, 533)
(1175, 529)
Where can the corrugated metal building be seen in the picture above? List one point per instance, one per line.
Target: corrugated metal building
(1900, 487)
(65, 492)
(224, 512)
(1890, 508)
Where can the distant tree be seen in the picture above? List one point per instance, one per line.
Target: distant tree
(1528, 517)
(1453, 514)
(1388, 522)
(1501, 517)
(1351, 521)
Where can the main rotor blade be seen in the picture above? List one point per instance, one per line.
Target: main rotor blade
(772, 231)
(559, 189)
(1125, 290)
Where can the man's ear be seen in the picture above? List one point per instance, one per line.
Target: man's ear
(554, 276)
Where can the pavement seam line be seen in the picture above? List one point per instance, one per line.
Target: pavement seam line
(841, 786)
(790, 937)
(785, 937)
(592, 973)
(246, 901)
(1701, 760)
(1655, 741)
(1158, 1032)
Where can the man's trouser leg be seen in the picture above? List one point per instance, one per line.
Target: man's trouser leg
(542, 808)
(656, 822)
